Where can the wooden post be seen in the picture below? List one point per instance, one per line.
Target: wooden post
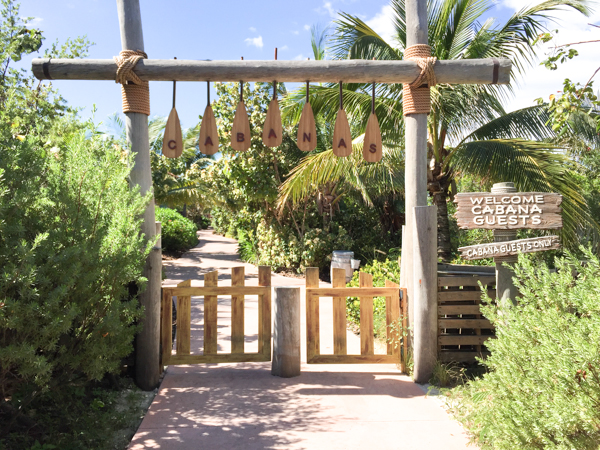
(505, 287)
(286, 335)
(147, 349)
(416, 152)
(425, 326)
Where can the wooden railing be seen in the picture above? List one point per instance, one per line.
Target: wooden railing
(339, 292)
(211, 291)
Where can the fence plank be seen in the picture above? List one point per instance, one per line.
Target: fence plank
(406, 338)
(237, 312)
(217, 290)
(210, 315)
(366, 316)
(465, 281)
(449, 296)
(264, 312)
(166, 327)
(313, 344)
(339, 314)
(458, 309)
(354, 359)
(462, 339)
(354, 292)
(465, 323)
(392, 314)
(219, 358)
(184, 317)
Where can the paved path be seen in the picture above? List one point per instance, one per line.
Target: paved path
(242, 406)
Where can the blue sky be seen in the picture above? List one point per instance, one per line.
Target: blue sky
(229, 29)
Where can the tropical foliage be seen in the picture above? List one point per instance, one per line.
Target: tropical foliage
(542, 388)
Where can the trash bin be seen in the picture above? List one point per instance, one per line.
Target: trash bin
(342, 259)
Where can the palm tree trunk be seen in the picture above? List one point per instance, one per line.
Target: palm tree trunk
(444, 246)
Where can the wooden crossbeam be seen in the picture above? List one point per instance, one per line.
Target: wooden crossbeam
(463, 71)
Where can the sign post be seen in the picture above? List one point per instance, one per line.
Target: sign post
(505, 211)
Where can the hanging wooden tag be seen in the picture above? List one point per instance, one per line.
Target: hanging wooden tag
(342, 139)
(240, 131)
(372, 150)
(209, 136)
(172, 140)
(307, 130)
(273, 129)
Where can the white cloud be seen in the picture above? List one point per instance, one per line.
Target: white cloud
(383, 24)
(257, 41)
(284, 48)
(295, 32)
(252, 29)
(307, 27)
(299, 57)
(34, 21)
(327, 8)
(540, 82)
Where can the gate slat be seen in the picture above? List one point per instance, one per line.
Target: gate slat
(339, 314)
(366, 316)
(184, 317)
(313, 343)
(210, 315)
(264, 313)
(237, 312)
(392, 313)
(166, 326)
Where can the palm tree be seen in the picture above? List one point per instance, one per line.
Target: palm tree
(469, 130)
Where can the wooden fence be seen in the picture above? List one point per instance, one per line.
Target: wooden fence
(339, 292)
(211, 291)
(463, 330)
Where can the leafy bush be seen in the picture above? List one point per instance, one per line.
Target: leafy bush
(543, 385)
(381, 271)
(177, 233)
(69, 247)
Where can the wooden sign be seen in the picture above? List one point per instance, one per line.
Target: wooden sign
(307, 130)
(240, 131)
(342, 139)
(533, 210)
(372, 150)
(209, 136)
(273, 130)
(509, 248)
(172, 139)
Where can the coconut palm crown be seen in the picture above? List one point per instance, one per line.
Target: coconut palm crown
(469, 131)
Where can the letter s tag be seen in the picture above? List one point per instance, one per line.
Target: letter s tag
(372, 148)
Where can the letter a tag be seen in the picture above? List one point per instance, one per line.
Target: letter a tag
(342, 139)
(272, 129)
(209, 136)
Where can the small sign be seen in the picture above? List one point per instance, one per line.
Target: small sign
(509, 248)
(532, 210)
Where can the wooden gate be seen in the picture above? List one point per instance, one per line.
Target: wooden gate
(365, 293)
(211, 291)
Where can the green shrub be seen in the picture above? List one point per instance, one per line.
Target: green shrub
(543, 385)
(177, 233)
(69, 247)
(381, 271)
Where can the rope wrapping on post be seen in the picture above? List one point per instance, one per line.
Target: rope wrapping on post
(416, 95)
(134, 91)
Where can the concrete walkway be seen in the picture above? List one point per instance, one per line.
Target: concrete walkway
(242, 406)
